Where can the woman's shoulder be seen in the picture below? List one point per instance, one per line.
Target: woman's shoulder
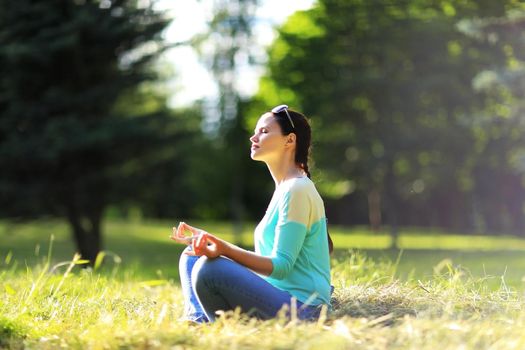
(303, 199)
(296, 183)
(299, 185)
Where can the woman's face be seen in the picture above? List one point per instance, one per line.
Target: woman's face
(268, 142)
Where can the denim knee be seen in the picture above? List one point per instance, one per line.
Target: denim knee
(203, 270)
(192, 308)
(183, 259)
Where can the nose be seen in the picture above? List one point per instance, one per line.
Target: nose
(253, 138)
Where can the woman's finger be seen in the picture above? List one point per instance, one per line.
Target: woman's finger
(211, 238)
(196, 245)
(175, 233)
(202, 244)
(180, 229)
(202, 241)
(181, 240)
(195, 231)
(177, 237)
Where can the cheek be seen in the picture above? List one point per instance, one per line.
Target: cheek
(269, 141)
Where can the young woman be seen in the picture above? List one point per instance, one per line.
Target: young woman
(290, 266)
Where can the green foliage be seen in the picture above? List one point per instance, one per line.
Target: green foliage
(236, 190)
(68, 146)
(389, 89)
(499, 142)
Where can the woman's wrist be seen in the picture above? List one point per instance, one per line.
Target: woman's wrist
(227, 249)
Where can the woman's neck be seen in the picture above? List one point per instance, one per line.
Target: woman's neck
(284, 170)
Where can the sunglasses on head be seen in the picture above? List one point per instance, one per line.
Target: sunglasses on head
(284, 108)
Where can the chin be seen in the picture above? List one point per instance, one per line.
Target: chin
(255, 156)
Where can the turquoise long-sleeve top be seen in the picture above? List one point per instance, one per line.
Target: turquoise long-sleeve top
(293, 234)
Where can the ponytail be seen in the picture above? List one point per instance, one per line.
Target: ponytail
(330, 242)
(304, 166)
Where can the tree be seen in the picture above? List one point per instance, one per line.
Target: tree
(499, 166)
(230, 44)
(64, 148)
(388, 86)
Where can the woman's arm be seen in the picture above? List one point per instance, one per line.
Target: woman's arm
(212, 246)
(204, 243)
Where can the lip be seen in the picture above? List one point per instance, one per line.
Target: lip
(254, 147)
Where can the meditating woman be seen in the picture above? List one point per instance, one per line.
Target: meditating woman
(290, 267)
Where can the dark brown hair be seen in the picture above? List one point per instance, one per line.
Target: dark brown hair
(303, 133)
(303, 144)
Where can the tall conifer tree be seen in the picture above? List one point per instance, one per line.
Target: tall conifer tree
(64, 148)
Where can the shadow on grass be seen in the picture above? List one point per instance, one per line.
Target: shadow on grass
(377, 305)
(11, 334)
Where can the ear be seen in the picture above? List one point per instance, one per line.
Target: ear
(291, 138)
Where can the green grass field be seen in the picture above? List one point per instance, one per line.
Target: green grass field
(145, 250)
(438, 291)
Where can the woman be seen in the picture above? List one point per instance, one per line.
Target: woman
(290, 266)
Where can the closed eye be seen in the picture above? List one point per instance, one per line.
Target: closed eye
(261, 130)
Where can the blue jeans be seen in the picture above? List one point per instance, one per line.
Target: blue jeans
(210, 285)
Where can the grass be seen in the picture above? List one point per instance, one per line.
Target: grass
(384, 299)
(146, 251)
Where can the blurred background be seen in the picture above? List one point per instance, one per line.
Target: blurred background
(126, 109)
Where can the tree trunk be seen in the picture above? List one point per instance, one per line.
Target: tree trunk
(391, 203)
(86, 233)
(237, 208)
(236, 140)
(374, 210)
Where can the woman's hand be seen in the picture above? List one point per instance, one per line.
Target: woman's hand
(202, 242)
(208, 245)
(179, 236)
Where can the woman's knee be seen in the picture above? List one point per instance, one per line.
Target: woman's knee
(206, 270)
(186, 262)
